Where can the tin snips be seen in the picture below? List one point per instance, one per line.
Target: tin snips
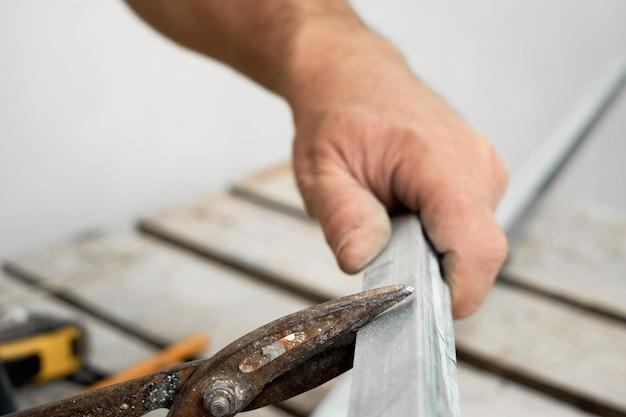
(275, 362)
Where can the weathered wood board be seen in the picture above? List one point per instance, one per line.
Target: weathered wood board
(69, 263)
(171, 293)
(274, 186)
(165, 292)
(35, 395)
(263, 241)
(481, 394)
(574, 250)
(551, 343)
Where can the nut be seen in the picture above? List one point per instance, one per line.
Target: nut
(221, 399)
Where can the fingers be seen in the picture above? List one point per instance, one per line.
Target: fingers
(475, 251)
(455, 197)
(463, 230)
(354, 162)
(355, 223)
(461, 227)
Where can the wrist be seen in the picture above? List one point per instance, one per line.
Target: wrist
(331, 60)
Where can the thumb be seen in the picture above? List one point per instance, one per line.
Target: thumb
(354, 221)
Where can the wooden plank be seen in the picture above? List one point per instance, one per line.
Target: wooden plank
(576, 251)
(557, 346)
(166, 292)
(35, 395)
(484, 394)
(274, 186)
(169, 293)
(515, 320)
(405, 361)
(481, 394)
(62, 263)
(258, 240)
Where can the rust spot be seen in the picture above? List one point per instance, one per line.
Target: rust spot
(279, 345)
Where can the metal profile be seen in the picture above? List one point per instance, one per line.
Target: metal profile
(407, 356)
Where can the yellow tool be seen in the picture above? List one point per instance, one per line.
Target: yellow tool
(36, 348)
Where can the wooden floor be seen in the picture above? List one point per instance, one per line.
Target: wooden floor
(550, 340)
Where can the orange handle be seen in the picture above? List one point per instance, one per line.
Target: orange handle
(169, 356)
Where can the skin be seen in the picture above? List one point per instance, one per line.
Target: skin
(371, 138)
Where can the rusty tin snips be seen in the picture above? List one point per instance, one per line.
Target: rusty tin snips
(275, 362)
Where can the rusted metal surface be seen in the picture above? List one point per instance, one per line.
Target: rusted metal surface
(273, 363)
(129, 399)
(324, 324)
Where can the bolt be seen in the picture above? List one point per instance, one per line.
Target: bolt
(221, 399)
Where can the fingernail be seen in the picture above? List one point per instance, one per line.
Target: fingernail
(358, 247)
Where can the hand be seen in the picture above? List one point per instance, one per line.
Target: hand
(372, 138)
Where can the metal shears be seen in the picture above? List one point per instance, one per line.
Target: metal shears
(275, 362)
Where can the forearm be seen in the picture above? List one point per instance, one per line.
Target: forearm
(264, 40)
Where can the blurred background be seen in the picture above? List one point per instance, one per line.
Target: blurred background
(103, 120)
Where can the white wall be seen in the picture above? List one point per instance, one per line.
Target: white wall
(102, 120)
(513, 68)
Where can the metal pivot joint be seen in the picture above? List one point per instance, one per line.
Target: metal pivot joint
(220, 399)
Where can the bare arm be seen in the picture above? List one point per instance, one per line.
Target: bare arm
(370, 136)
(257, 38)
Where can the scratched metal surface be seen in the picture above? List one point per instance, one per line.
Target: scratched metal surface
(405, 361)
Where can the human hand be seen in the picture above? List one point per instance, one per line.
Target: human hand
(372, 138)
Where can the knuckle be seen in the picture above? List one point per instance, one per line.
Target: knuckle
(494, 252)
